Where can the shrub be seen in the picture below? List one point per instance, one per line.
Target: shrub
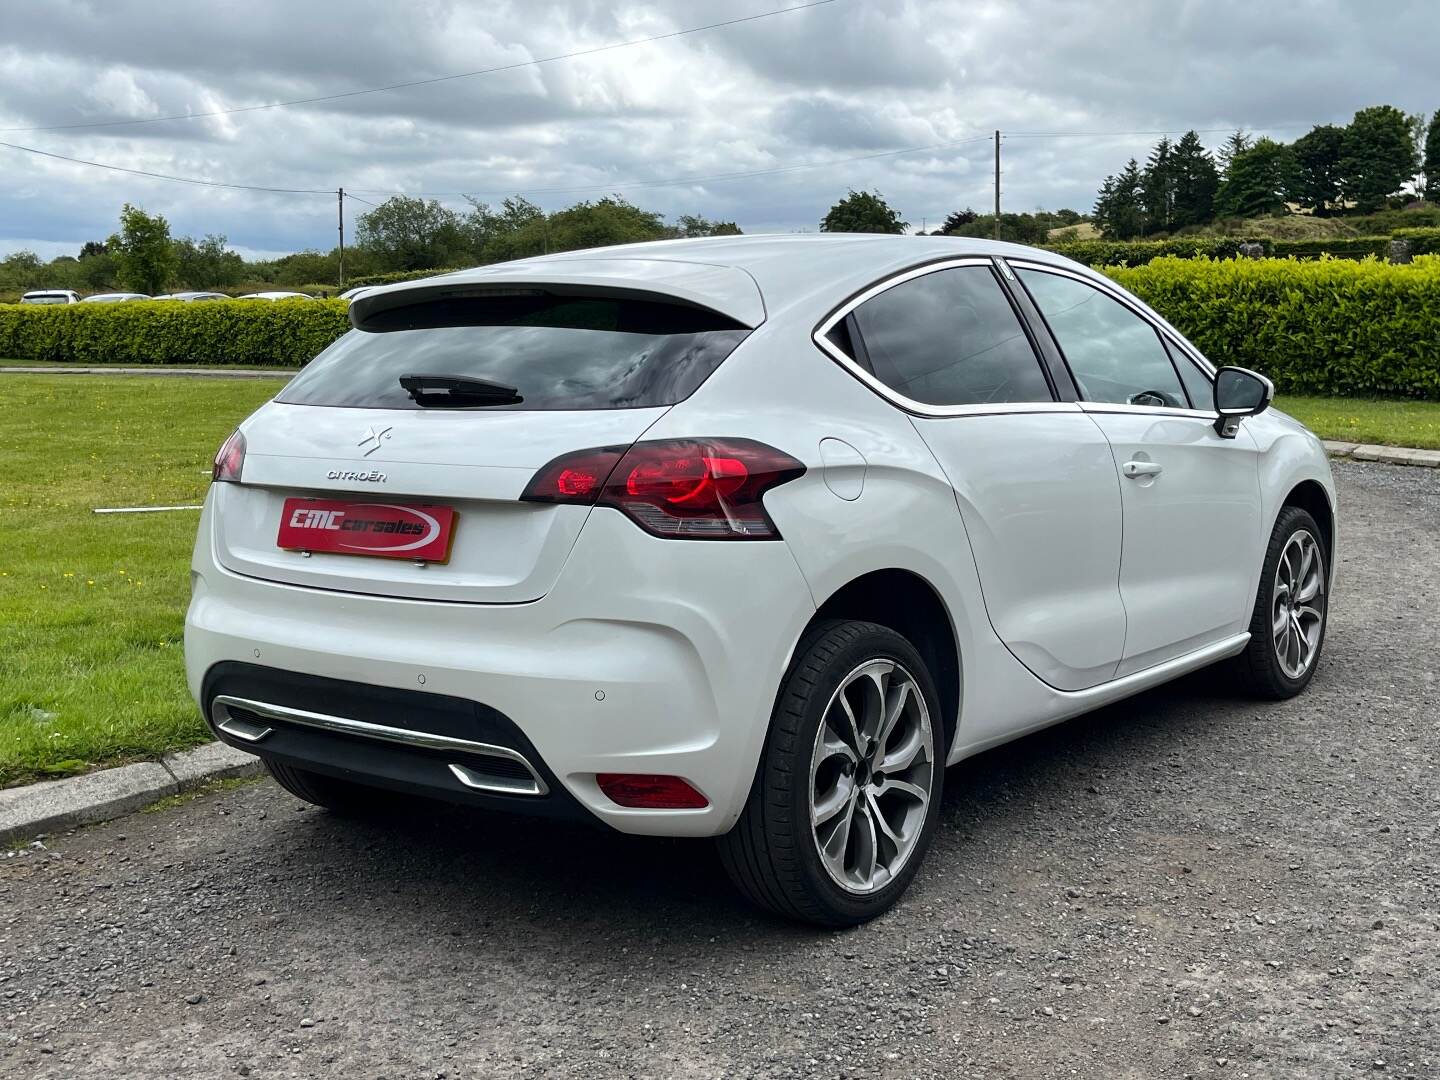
(1339, 247)
(1423, 241)
(398, 275)
(256, 333)
(1140, 252)
(1330, 326)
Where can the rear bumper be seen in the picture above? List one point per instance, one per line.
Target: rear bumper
(648, 656)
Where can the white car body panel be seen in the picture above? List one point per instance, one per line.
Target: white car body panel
(615, 650)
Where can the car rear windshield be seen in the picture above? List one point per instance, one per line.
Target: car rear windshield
(558, 352)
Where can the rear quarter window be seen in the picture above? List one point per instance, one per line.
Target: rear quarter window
(559, 352)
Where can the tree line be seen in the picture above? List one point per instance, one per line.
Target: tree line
(1357, 168)
(400, 234)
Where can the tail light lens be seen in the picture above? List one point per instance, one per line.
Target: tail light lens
(230, 460)
(643, 791)
(686, 489)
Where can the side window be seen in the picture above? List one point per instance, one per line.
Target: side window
(1115, 355)
(1197, 384)
(951, 338)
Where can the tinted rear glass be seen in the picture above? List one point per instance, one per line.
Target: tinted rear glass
(559, 352)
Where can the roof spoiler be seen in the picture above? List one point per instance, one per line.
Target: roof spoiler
(724, 289)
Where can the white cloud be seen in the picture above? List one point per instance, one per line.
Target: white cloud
(845, 79)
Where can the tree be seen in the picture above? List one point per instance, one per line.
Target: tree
(404, 233)
(92, 248)
(1377, 157)
(696, 225)
(1257, 180)
(862, 212)
(1316, 180)
(1431, 164)
(1119, 211)
(1195, 179)
(208, 265)
(145, 258)
(1235, 144)
(957, 220)
(606, 221)
(517, 230)
(1157, 187)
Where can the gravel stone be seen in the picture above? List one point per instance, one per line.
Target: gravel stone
(578, 953)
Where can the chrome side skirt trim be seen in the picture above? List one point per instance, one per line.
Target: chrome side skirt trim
(220, 710)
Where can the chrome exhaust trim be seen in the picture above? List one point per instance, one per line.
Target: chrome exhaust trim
(470, 776)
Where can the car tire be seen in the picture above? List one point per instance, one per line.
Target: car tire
(1285, 638)
(332, 793)
(773, 854)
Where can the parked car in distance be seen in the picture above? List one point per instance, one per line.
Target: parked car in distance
(745, 538)
(191, 297)
(51, 296)
(276, 296)
(114, 298)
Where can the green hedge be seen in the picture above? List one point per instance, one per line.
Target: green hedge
(1422, 241)
(1331, 326)
(253, 332)
(1140, 252)
(398, 275)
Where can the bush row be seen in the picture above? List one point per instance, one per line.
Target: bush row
(1140, 252)
(1331, 326)
(398, 275)
(253, 333)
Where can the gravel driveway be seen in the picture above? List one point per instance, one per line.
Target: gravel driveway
(1182, 885)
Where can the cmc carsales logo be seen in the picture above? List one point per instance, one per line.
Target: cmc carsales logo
(410, 532)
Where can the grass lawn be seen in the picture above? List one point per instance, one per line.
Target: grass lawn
(92, 606)
(157, 367)
(1389, 423)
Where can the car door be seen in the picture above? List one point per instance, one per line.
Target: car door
(1191, 498)
(1035, 487)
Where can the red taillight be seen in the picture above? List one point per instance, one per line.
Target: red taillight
(690, 489)
(574, 478)
(230, 460)
(643, 791)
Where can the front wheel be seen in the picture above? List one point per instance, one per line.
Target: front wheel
(847, 794)
(1287, 628)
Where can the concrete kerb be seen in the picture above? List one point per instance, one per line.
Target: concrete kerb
(1388, 455)
(55, 805)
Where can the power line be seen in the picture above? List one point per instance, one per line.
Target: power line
(165, 176)
(672, 182)
(431, 81)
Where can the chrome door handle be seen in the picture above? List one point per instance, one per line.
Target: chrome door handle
(1136, 469)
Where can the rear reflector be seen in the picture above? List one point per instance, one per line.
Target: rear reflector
(643, 791)
(684, 489)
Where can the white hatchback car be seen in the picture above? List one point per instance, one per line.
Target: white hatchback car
(743, 537)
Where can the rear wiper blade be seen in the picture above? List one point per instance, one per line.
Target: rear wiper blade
(455, 390)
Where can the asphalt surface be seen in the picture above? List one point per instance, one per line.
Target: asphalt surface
(1187, 884)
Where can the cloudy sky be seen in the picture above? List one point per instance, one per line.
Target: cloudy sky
(823, 86)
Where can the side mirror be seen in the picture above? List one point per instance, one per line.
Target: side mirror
(1239, 392)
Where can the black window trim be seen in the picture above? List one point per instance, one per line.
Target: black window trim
(1164, 333)
(910, 405)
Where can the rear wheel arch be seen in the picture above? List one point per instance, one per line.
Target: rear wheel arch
(905, 602)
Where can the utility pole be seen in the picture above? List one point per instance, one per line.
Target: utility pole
(340, 214)
(997, 184)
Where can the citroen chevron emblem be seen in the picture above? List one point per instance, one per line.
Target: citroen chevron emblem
(373, 437)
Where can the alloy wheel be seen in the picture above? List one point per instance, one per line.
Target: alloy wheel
(1297, 614)
(872, 771)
